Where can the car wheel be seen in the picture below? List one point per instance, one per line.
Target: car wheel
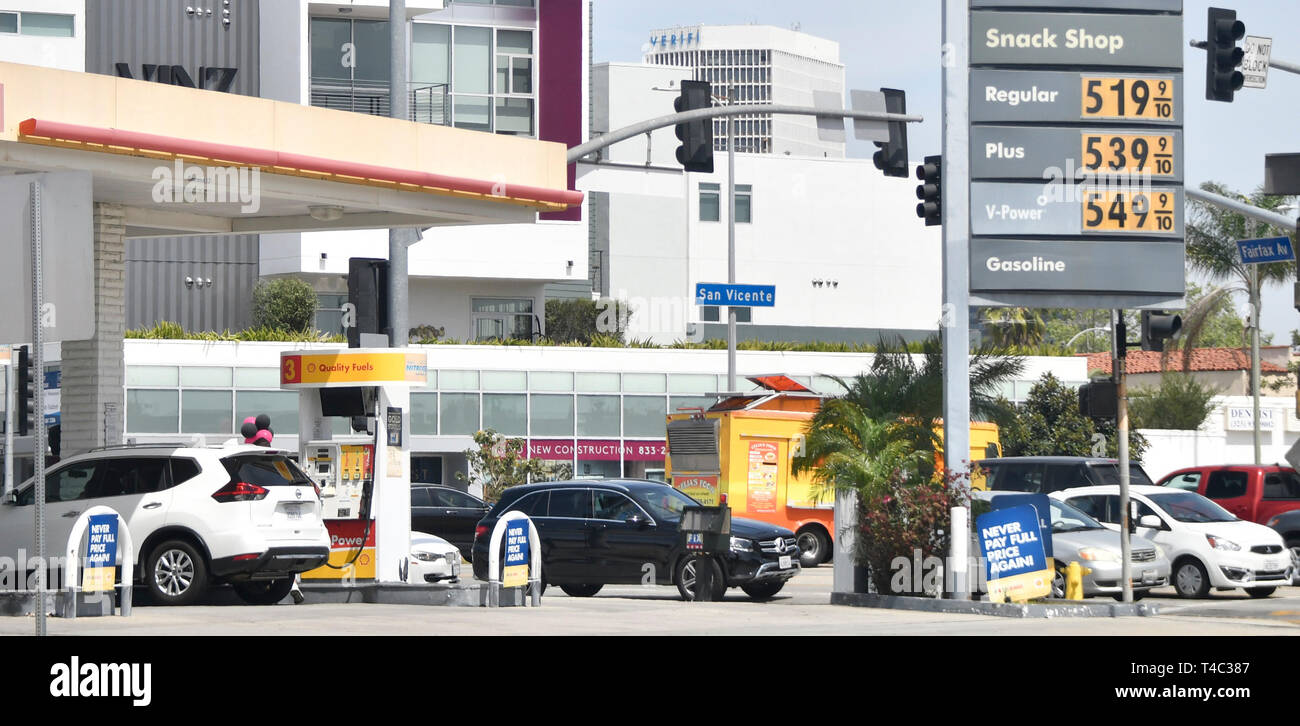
(763, 590)
(263, 592)
(685, 578)
(1294, 546)
(1058, 585)
(813, 548)
(1191, 579)
(176, 574)
(1260, 591)
(580, 590)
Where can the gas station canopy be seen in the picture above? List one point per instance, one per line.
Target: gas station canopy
(251, 165)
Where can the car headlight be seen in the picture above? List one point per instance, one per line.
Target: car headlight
(426, 556)
(1096, 554)
(1220, 543)
(740, 544)
(1272, 521)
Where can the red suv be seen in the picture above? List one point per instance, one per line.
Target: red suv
(1252, 492)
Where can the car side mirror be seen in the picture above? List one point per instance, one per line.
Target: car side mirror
(638, 521)
(1151, 521)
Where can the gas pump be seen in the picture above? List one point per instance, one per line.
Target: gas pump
(364, 476)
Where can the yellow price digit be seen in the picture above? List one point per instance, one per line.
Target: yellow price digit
(1128, 210)
(1150, 99)
(1135, 154)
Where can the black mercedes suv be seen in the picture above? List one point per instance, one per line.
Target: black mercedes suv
(598, 532)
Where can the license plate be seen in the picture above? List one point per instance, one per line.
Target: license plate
(785, 562)
(294, 511)
(1272, 565)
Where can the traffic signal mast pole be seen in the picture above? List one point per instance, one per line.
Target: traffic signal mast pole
(576, 153)
(11, 398)
(1119, 351)
(1281, 65)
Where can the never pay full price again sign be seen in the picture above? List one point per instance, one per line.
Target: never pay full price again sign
(101, 554)
(1014, 556)
(515, 571)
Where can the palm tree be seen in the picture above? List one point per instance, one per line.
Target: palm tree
(848, 450)
(1212, 235)
(1015, 327)
(906, 392)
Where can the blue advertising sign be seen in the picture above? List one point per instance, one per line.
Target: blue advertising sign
(1041, 503)
(1010, 542)
(1268, 249)
(101, 553)
(514, 573)
(53, 401)
(736, 296)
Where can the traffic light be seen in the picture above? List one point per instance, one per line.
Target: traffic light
(892, 157)
(1222, 56)
(25, 393)
(930, 191)
(1156, 327)
(696, 151)
(1099, 399)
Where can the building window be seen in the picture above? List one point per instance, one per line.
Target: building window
(744, 203)
(645, 416)
(45, 24)
(8, 22)
(503, 318)
(355, 79)
(551, 415)
(710, 202)
(506, 413)
(329, 313)
(458, 413)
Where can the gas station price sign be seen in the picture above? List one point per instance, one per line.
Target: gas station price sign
(1128, 153)
(1128, 211)
(1120, 97)
(1076, 153)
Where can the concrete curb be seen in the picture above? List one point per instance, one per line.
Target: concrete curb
(471, 594)
(1050, 609)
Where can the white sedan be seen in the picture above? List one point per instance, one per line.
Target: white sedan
(1209, 546)
(433, 559)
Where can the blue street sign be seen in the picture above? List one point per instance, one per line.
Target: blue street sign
(736, 296)
(1269, 249)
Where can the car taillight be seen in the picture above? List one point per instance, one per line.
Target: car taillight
(480, 530)
(239, 491)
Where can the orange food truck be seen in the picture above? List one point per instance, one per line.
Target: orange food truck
(739, 452)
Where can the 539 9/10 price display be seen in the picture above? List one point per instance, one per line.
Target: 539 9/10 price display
(1135, 211)
(1151, 154)
(1136, 99)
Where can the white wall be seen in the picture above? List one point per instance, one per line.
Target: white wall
(67, 54)
(447, 303)
(1219, 441)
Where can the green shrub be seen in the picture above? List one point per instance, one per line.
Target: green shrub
(285, 303)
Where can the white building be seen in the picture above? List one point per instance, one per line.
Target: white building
(763, 64)
(840, 241)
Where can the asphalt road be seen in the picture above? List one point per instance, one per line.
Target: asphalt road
(802, 608)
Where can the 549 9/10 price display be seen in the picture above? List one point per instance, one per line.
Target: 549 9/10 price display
(1132, 211)
(1136, 99)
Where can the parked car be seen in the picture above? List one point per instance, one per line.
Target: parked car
(1208, 545)
(623, 531)
(1076, 537)
(245, 515)
(1252, 492)
(1046, 474)
(433, 559)
(448, 513)
(1287, 524)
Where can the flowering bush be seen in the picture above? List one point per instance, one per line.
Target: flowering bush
(908, 519)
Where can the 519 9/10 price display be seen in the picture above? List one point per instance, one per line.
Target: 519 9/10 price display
(1134, 211)
(1135, 99)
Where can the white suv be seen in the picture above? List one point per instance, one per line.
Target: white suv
(241, 514)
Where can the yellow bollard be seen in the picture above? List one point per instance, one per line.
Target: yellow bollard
(1074, 573)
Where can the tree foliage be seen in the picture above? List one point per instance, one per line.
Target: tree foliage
(284, 303)
(1048, 423)
(499, 463)
(587, 321)
(1179, 402)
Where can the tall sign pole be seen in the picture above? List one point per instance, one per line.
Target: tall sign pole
(1119, 355)
(955, 324)
(38, 422)
(399, 239)
(731, 241)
